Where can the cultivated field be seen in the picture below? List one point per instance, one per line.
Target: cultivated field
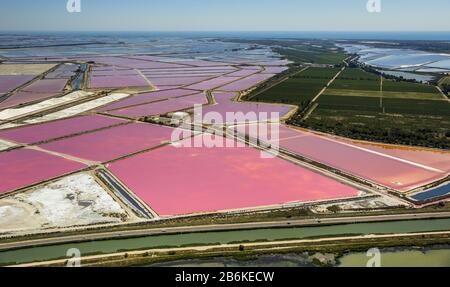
(362, 106)
(299, 89)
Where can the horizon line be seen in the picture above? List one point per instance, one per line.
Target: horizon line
(240, 31)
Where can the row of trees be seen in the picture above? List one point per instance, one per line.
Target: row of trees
(372, 70)
(426, 137)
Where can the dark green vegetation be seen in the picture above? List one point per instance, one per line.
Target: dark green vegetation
(364, 125)
(444, 84)
(356, 106)
(299, 89)
(303, 51)
(309, 54)
(363, 106)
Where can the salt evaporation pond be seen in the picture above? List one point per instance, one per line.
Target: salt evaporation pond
(112, 143)
(56, 129)
(24, 167)
(403, 59)
(183, 180)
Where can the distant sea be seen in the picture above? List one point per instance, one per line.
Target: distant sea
(425, 36)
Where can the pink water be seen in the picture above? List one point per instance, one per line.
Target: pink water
(64, 71)
(213, 83)
(174, 181)
(275, 63)
(9, 83)
(395, 168)
(56, 129)
(24, 167)
(190, 70)
(242, 73)
(147, 98)
(112, 143)
(434, 158)
(192, 75)
(176, 80)
(386, 171)
(111, 73)
(246, 83)
(47, 86)
(21, 98)
(226, 105)
(118, 81)
(163, 107)
(132, 63)
(274, 70)
(202, 63)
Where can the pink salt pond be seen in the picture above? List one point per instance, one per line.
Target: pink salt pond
(112, 143)
(182, 180)
(23, 167)
(56, 129)
(213, 83)
(22, 98)
(274, 70)
(394, 167)
(162, 107)
(146, 98)
(118, 82)
(170, 80)
(226, 105)
(47, 86)
(246, 83)
(133, 63)
(8, 83)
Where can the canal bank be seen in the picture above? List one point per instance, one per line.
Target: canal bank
(433, 256)
(45, 253)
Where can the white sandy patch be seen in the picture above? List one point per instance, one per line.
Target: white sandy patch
(24, 69)
(75, 110)
(45, 105)
(368, 204)
(6, 145)
(69, 112)
(76, 200)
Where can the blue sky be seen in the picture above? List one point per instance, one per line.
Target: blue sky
(225, 15)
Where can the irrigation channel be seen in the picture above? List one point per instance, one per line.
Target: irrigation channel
(43, 253)
(434, 256)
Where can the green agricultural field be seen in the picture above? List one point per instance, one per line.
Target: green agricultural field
(302, 51)
(356, 85)
(408, 129)
(439, 108)
(357, 89)
(309, 54)
(404, 113)
(444, 84)
(361, 105)
(298, 89)
(393, 86)
(384, 94)
(445, 81)
(318, 73)
(357, 79)
(358, 74)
